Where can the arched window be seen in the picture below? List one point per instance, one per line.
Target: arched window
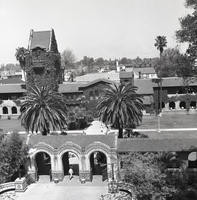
(5, 110)
(91, 95)
(14, 110)
(182, 105)
(193, 104)
(96, 94)
(192, 160)
(171, 105)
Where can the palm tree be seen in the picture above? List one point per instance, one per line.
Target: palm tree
(43, 110)
(160, 43)
(120, 106)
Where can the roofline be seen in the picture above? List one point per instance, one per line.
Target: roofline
(96, 81)
(51, 32)
(30, 38)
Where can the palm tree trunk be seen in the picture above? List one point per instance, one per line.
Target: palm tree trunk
(120, 132)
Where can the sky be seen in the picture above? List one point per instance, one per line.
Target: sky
(94, 28)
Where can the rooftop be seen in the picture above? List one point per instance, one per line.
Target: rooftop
(153, 145)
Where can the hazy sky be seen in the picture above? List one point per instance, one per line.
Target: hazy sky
(97, 28)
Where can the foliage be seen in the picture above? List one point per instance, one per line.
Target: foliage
(144, 173)
(21, 54)
(13, 154)
(129, 133)
(173, 63)
(120, 106)
(43, 110)
(188, 33)
(68, 58)
(160, 43)
(79, 119)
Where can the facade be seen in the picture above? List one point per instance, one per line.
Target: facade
(49, 155)
(42, 62)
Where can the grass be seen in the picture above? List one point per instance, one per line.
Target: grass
(11, 125)
(149, 122)
(170, 121)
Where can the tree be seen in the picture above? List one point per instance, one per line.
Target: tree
(160, 43)
(120, 106)
(13, 154)
(188, 34)
(142, 171)
(43, 110)
(173, 63)
(68, 58)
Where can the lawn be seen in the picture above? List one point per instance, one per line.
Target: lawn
(11, 125)
(170, 121)
(149, 122)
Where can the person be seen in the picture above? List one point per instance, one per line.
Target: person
(50, 175)
(70, 172)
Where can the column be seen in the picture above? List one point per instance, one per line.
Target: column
(84, 170)
(57, 167)
(177, 105)
(32, 168)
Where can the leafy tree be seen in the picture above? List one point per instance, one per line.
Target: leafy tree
(68, 58)
(173, 63)
(43, 110)
(143, 172)
(13, 154)
(120, 106)
(188, 33)
(160, 43)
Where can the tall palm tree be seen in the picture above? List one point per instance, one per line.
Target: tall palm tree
(160, 43)
(120, 107)
(43, 110)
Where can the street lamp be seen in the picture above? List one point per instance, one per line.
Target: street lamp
(159, 97)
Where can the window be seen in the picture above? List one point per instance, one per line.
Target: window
(14, 110)
(193, 104)
(182, 105)
(171, 105)
(5, 110)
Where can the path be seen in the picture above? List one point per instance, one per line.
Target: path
(69, 190)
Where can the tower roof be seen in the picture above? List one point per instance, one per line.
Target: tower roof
(42, 39)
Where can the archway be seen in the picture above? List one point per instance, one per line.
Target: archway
(172, 105)
(70, 160)
(98, 164)
(192, 160)
(182, 105)
(193, 104)
(5, 110)
(14, 110)
(43, 163)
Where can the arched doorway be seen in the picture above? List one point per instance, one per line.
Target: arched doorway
(171, 105)
(43, 163)
(192, 160)
(70, 160)
(98, 164)
(193, 105)
(182, 105)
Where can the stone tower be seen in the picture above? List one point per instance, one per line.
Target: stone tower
(42, 60)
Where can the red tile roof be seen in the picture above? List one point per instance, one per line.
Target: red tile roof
(156, 145)
(81, 140)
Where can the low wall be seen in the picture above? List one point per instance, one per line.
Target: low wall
(4, 187)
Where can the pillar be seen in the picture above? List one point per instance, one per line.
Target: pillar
(177, 105)
(57, 167)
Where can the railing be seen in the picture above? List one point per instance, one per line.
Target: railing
(4, 187)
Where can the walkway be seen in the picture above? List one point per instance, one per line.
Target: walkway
(69, 190)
